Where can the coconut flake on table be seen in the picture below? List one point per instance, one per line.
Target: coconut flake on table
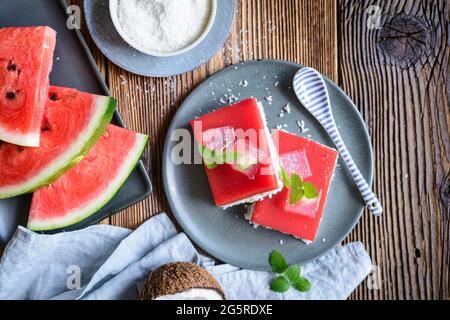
(163, 25)
(229, 99)
(124, 80)
(269, 100)
(243, 83)
(302, 126)
(287, 108)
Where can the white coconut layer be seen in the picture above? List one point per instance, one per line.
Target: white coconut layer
(274, 160)
(193, 294)
(102, 104)
(99, 202)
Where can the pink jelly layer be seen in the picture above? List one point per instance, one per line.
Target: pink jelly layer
(227, 184)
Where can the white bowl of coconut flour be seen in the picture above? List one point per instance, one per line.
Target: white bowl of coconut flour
(163, 28)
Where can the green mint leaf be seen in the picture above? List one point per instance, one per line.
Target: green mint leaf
(302, 285)
(205, 152)
(232, 156)
(297, 182)
(310, 190)
(285, 177)
(279, 284)
(211, 166)
(278, 262)
(219, 158)
(295, 196)
(293, 273)
(208, 157)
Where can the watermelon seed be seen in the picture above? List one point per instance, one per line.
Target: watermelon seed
(10, 95)
(20, 148)
(53, 96)
(45, 125)
(11, 66)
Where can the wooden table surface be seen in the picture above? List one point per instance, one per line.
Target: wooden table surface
(393, 60)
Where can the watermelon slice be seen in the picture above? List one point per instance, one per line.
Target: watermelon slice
(73, 123)
(91, 184)
(26, 58)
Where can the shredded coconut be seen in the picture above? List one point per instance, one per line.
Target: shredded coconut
(287, 108)
(243, 83)
(164, 25)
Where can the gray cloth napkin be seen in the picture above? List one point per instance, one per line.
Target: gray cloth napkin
(106, 262)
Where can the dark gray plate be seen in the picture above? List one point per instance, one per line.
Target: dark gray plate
(73, 67)
(225, 234)
(118, 51)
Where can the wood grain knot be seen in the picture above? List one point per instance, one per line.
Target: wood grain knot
(445, 193)
(404, 39)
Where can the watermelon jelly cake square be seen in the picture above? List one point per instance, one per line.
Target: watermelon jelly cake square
(238, 153)
(26, 58)
(307, 169)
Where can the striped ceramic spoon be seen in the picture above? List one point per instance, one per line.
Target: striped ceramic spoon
(310, 88)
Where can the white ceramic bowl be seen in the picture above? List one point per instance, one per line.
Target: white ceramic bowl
(115, 19)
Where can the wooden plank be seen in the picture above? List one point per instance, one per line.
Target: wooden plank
(399, 77)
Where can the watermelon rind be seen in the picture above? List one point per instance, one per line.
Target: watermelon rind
(25, 140)
(104, 111)
(129, 164)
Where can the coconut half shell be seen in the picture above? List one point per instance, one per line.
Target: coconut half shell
(181, 281)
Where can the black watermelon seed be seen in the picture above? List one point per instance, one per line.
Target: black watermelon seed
(45, 125)
(10, 95)
(20, 148)
(53, 96)
(11, 66)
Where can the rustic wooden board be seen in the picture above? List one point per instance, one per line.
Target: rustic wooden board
(404, 103)
(398, 75)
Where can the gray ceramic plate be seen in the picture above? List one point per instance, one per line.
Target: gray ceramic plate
(224, 233)
(73, 67)
(112, 45)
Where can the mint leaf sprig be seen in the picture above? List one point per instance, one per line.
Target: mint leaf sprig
(213, 158)
(287, 275)
(299, 188)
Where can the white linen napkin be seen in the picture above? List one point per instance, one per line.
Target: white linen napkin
(107, 262)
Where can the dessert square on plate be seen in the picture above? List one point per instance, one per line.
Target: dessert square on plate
(239, 155)
(314, 164)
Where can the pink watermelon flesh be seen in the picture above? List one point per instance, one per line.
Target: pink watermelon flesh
(73, 123)
(91, 184)
(305, 207)
(248, 162)
(224, 139)
(296, 162)
(219, 139)
(26, 58)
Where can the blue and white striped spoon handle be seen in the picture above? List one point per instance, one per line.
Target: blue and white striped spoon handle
(311, 89)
